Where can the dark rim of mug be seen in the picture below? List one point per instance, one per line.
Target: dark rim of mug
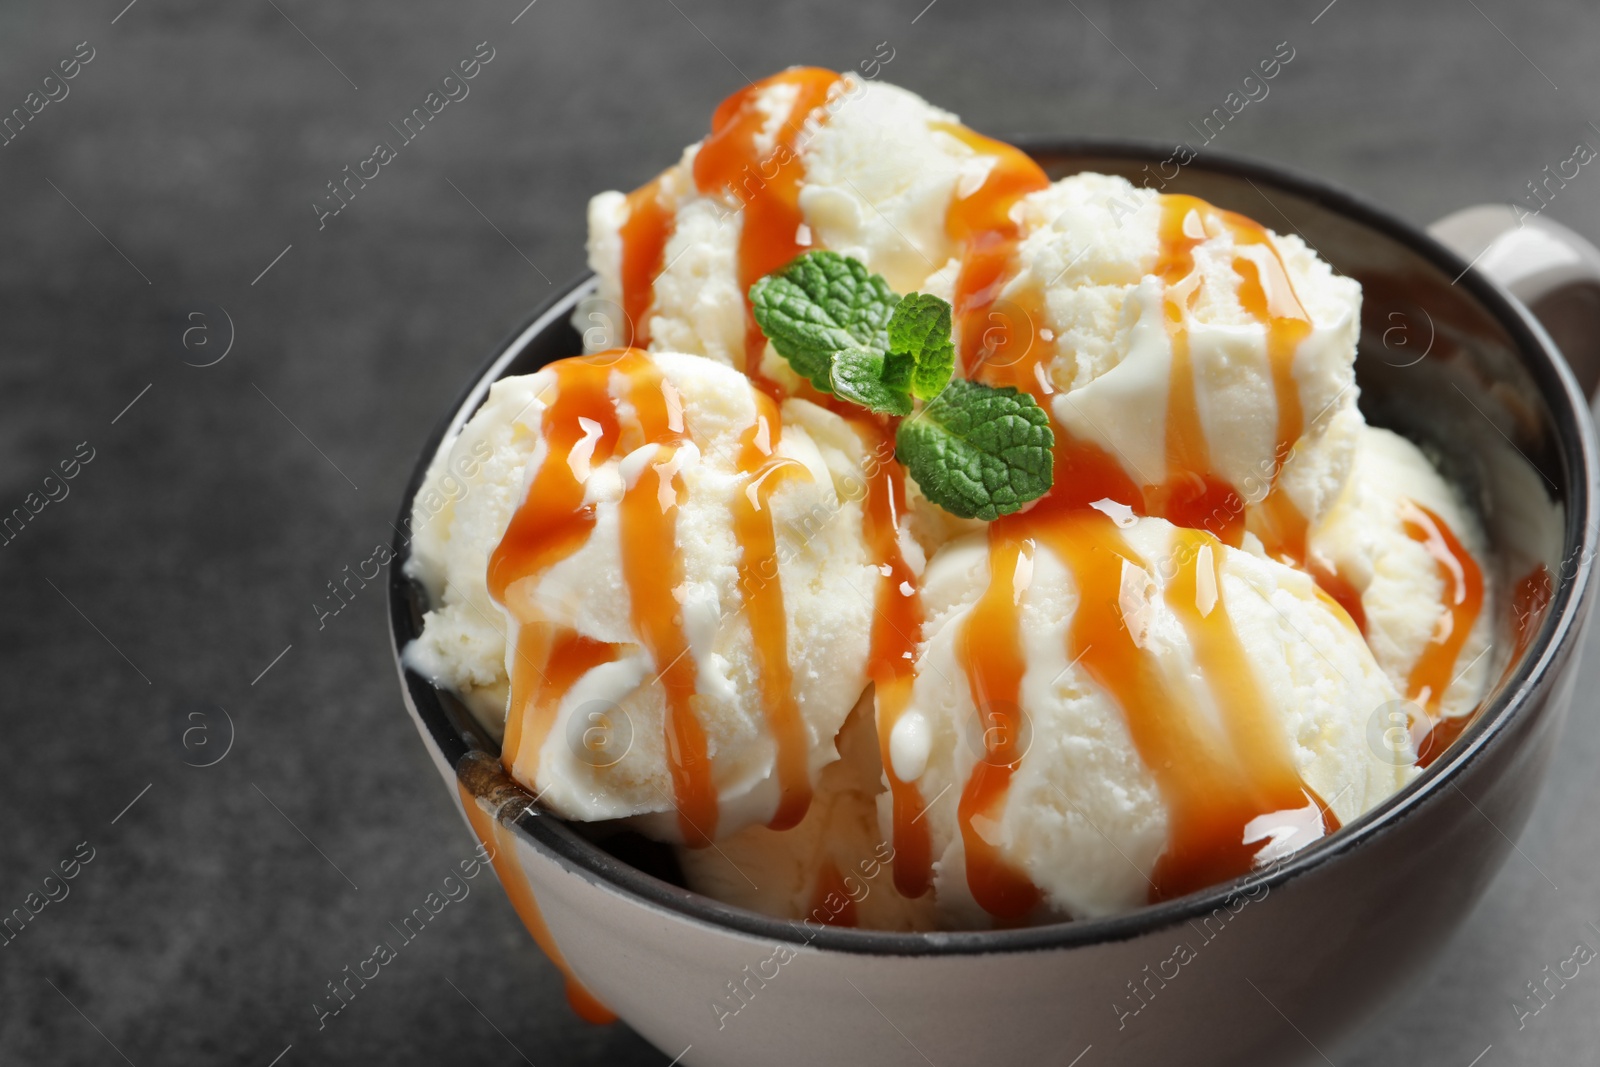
(553, 837)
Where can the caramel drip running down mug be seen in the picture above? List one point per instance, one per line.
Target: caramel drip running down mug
(1264, 970)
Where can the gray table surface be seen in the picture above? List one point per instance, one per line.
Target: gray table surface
(179, 577)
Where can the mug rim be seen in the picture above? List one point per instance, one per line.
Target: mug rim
(551, 836)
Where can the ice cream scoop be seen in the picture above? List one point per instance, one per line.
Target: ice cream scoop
(805, 158)
(1111, 710)
(666, 573)
(1413, 558)
(1199, 366)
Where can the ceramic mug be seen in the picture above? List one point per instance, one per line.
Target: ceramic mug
(1272, 968)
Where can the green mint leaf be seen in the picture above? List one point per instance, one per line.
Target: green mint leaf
(977, 451)
(819, 304)
(858, 376)
(920, 328)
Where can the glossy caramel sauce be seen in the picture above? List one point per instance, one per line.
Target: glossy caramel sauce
(1463, 601)
(999, 344)
(559, 658)
(1003, 347)
(540, 536)
(831, 903)
(764, 180)
(585, 417)
(764, 472)
(554, 521)
(891, 660)
(1222, 787)
(1193, 494)
(645, 232)
(1530, 599)
(1339, 589)
(500, 845)
(989, 649)
(652, 571)
(1441, 735)
(559, 522)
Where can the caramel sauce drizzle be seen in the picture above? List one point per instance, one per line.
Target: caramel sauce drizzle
(1191, 492)
(997, 350)
(653, 569)
(766, 184)
(1193, 495)
(1271, 299)
(649, 226)
(830, 883)
(891, 661)
(559, 659)
(553, 522)
(896, 632)
(989, 649)
(538, 537)
(995, 343)
(1267, 781)
(981, 223)
(1338, 589)
(1216, 784)
(1434, 670)
(765, 471)
(500, 844)
(1530, 598)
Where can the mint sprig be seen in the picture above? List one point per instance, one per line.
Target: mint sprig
(975, 450)
(978, 451)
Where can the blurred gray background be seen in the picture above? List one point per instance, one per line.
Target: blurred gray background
(167, 603)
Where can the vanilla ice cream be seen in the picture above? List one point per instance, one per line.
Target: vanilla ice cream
(603, 753)
(880, 169)
(1183, 341)
(1272, 714)
(1401, 537)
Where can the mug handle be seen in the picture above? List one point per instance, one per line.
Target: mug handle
(1542, 263)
